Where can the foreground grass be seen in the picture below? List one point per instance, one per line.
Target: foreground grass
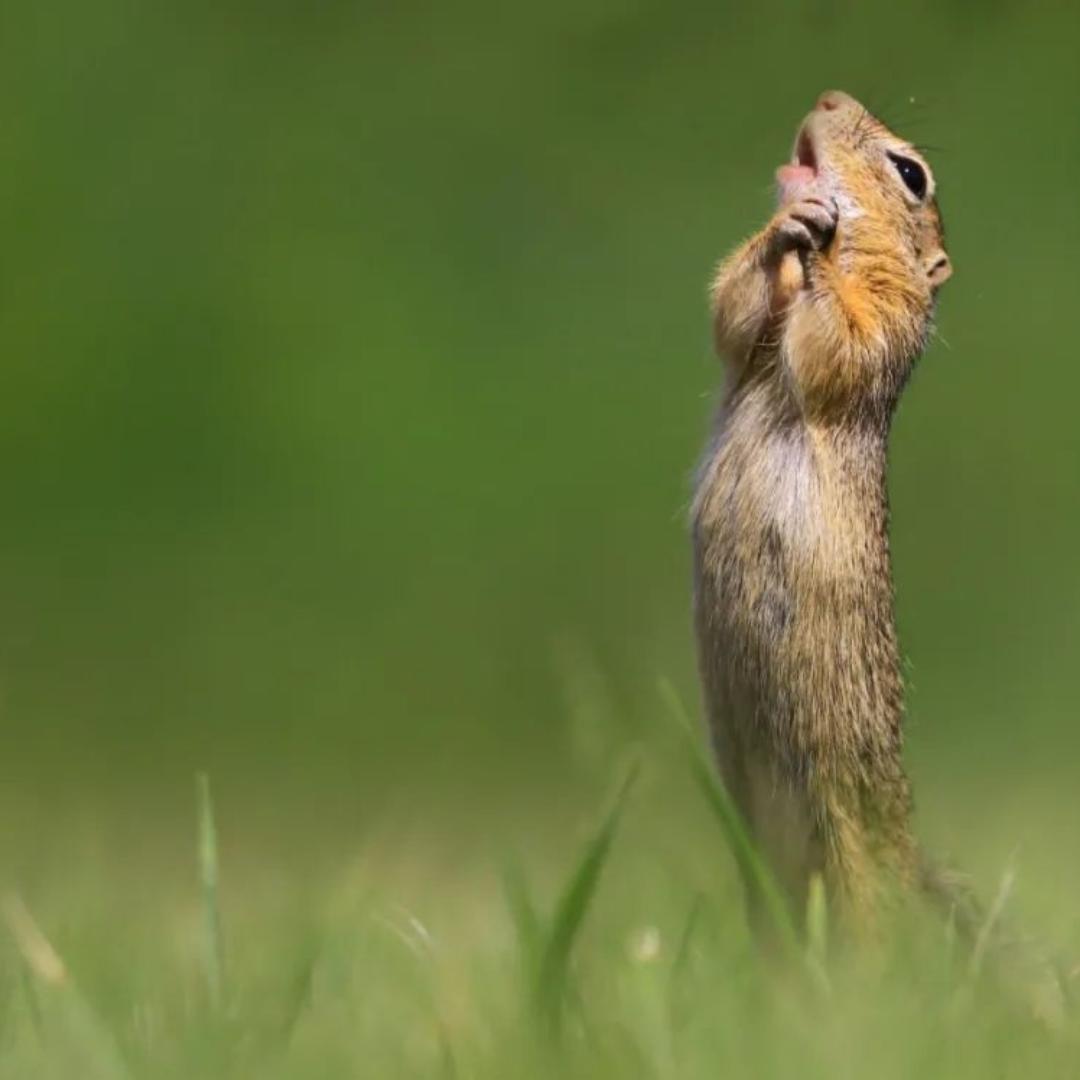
(619, 951)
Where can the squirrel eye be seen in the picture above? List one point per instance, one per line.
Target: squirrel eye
(912, 173)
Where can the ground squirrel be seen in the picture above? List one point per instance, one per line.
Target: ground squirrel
(820, 317)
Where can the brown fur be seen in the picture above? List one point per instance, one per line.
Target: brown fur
(820, 317)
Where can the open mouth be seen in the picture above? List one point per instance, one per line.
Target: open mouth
(802, 170)
(804, 151)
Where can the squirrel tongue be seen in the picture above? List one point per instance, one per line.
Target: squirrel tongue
(792, 181)
(788, 175)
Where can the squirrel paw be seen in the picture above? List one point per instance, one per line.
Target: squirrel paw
(806, 225)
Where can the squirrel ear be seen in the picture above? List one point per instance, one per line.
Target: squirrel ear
(938, 268)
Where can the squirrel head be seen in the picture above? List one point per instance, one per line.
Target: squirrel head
(883, 188)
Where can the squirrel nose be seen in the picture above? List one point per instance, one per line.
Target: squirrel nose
(833, 99)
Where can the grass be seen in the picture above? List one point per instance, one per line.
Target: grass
(208, 874)
(620, 951)
(552, 950)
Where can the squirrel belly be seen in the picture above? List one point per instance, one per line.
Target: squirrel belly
(798, 652)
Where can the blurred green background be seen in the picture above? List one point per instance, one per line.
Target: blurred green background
(355, 361)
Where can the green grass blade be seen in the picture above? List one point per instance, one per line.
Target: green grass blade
(682, 950)
(989, 924)
(208, 877)
(817, 922)
(742, 848)
(298, 996)
(950, 943)
(525, 917)
(678, 988)
(572, 906)
(63, 1017)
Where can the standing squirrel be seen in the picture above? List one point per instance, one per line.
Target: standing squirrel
(820, 317)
